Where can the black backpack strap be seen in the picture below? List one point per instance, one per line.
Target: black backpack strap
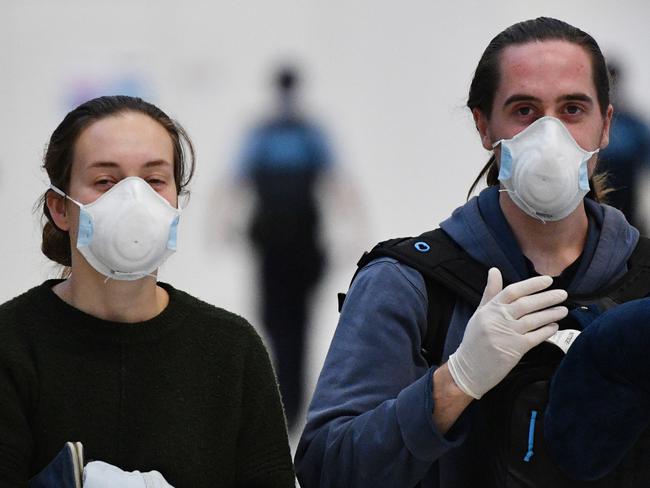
(440, 306)
(437, 257)
(448, 271)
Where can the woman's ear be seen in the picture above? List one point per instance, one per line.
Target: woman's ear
(56, 204)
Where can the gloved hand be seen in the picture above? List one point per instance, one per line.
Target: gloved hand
(507, 323)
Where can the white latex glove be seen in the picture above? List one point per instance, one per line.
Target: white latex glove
(507, 323)
(98, 474)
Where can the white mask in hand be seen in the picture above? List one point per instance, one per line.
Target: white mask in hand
(98, 474)
(128, 232)
(544, 170)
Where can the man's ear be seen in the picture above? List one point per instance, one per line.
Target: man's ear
(56, 204)
(604, 139)
(481, 122)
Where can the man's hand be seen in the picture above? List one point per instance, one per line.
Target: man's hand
(507, 323)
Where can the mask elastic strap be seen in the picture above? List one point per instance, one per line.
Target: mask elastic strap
(532, 210)
(152, 275)
(62, 193)
(143, 276)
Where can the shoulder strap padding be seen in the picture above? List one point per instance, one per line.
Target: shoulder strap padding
(437, 257)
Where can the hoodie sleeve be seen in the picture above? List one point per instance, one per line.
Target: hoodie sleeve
(370, 422)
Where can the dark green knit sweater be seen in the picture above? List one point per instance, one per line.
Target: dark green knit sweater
(190, 393)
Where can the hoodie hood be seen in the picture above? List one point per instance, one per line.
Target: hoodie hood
(603, 260)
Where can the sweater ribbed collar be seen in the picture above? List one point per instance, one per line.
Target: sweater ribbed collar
(66, 317)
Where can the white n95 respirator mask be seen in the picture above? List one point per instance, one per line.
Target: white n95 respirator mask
(544, 170)
(128, 232)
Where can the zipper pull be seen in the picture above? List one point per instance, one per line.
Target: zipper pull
(531, 436)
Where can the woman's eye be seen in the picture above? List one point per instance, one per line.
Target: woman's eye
(104, 183)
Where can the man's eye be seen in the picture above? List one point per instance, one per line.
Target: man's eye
(525, 111)
(573, 109)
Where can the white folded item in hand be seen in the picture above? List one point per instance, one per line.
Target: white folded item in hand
(98, 474)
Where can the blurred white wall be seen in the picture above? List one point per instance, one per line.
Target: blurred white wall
(388, 80)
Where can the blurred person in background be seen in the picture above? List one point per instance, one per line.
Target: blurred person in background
(145, 376)
(388, 412)
(626, 161)
(284, 160)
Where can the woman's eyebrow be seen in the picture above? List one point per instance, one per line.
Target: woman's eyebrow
(157, 162)
(103, 164)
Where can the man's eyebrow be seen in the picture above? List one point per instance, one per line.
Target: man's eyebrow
(581, 97)
(112, 164)
(517, 97)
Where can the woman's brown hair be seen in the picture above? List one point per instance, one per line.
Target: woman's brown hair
(59, 156)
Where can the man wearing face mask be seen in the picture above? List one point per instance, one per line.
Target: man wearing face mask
(384, 413)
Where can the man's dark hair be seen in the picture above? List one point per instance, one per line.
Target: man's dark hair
(487, 74)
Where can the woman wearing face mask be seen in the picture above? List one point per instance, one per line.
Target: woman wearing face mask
(145, 376)
(385, 411)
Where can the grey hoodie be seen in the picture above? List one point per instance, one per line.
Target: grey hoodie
(370, 421)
